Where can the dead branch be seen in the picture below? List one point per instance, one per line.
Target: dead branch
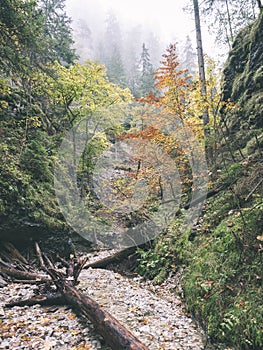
(23, 275)
(14, 252)
(253, 190)
(3, 283)
(42, 264)
(45, 300)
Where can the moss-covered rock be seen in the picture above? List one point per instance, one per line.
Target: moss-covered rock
(243, 85)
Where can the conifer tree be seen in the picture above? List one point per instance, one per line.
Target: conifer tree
(189, 57)
(147, 77)
(112, 51)
(116, 72)
(57, 31)
(131, 58)
(83, 40)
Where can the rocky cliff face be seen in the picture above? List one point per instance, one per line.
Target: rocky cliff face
(243, 85)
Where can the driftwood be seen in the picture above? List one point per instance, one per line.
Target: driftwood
(114, 333)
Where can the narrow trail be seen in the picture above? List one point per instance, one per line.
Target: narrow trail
(152, 313)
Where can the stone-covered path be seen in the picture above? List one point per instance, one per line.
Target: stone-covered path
(153, 313)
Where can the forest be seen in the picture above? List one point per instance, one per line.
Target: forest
(129, 166)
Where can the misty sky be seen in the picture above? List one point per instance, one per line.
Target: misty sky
(165, 18)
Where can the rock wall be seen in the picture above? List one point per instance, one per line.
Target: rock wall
(243, 85)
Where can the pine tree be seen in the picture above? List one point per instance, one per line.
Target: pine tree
(57, 31)
(155, 49)
(147, 77)
(20, 36)
(111, 51)
(131, 58)
(112, 39)
(83, 40)
(116, 72)
(189, 61)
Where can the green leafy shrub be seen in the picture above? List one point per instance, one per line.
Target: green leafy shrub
(35, 161)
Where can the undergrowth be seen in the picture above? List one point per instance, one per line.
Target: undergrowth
(222, 268)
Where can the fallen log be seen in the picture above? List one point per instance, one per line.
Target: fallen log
(112, 259)
(114, 333)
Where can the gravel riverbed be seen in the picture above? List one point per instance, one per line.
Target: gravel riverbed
(152, 313)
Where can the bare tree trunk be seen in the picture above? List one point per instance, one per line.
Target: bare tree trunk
(229, 21)
(201, 64)
(260, 6)
(253, 5)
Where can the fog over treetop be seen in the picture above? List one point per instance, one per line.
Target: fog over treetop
(138, 22)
